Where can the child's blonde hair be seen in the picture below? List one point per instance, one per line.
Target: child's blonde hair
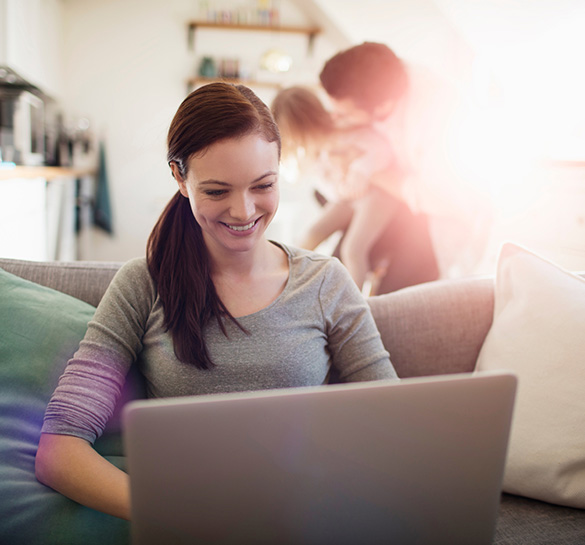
(302, 119)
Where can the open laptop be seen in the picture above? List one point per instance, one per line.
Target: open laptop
(416, 461)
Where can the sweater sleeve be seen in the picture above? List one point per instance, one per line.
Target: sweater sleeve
(88, 390)
(354, 342)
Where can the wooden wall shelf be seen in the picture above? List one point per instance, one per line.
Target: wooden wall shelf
(271, 28)
(311, 31)
(48, 173)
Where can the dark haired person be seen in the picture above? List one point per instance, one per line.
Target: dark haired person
(417, 112)
(215, 306)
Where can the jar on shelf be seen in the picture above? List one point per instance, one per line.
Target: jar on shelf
(207, 68)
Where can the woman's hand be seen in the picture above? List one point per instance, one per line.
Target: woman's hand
(71, 466)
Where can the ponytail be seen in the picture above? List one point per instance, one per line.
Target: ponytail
(176, 254)
(179, 265)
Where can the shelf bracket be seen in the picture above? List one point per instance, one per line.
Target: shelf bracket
(311, 43)
(191, 36)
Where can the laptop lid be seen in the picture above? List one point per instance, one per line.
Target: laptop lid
(415, 461)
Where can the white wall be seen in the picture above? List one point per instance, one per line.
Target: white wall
(530, 49)
(127, 64)
(417, 30)
(534, 51)
(520, 63)
(30, 41)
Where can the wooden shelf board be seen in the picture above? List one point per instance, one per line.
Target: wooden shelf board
(48, 173)
(255, 27)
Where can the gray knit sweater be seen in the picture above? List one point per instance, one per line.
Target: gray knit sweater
(318, 324)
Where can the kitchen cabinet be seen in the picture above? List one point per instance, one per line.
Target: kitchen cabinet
(39, 209)
(30, 42)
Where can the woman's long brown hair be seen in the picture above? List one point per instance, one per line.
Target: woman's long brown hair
(177, 257)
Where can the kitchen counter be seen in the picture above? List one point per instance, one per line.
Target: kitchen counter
(48, 173)
(44, 213)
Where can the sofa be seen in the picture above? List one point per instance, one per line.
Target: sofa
(429, 329)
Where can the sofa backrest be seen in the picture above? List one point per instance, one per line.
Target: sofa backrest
(437, 327)
(85, 280)
(429, 329)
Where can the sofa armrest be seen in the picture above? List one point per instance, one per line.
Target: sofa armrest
(437, 327)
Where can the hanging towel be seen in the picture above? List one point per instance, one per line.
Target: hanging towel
(102, 213)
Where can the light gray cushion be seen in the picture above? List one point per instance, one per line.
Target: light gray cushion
(435, 328)
(84, 280)
(538, 334)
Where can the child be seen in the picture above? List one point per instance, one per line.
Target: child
(356, 176)
(417, 112)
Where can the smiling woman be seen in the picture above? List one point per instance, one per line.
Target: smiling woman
(215, 306)
(233, 191)
(218, 167)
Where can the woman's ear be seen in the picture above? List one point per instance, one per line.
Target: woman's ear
(180, 180)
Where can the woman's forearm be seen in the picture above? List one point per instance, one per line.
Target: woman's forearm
(71, 466)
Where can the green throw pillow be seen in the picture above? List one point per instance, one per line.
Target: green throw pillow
(40, 329)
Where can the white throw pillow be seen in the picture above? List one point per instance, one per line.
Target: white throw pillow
(538, 332)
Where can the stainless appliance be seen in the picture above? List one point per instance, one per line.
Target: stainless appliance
(22, 126)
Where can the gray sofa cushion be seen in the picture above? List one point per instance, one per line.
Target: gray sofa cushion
(437, 327)
(523, 521)
(421, 326)
(432, 328)
(83, 280)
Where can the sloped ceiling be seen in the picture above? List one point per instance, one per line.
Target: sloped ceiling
(530, 50)
(417, 30)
